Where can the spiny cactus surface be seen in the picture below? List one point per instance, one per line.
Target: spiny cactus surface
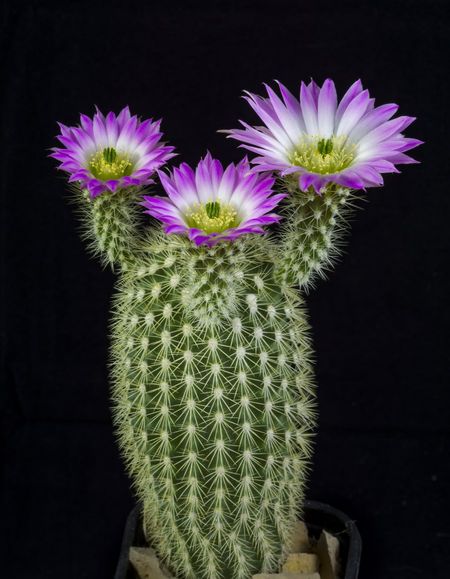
(313, 236)
(109, 224)
(214, 414)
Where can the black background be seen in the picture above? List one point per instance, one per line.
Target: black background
(379, 323)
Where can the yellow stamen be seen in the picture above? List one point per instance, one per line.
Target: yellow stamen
(324, 156)
(212, 217)
(108, 164)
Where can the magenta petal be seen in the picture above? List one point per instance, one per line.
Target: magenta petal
(305, 181)
(174, 229)
(350, 180)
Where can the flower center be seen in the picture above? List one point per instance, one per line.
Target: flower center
(324, 156)
(212, 217)
(108, 164)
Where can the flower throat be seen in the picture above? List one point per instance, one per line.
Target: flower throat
(108, 164)
(324, 156)
(212, 217)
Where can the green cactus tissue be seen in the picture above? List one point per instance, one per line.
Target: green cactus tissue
(212, 379)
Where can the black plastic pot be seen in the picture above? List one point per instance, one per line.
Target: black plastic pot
(317, 517)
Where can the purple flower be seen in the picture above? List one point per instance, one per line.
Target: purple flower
(110, 153)
(211, 204)
(321, 141)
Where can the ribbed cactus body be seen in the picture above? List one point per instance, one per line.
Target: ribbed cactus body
(109, 225)
(312, 233)
(213, 403)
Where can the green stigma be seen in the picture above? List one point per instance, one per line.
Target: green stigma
(212, 209)
(212, 217)
(109, 155)
(325, 146)
(108, 164)
(324, 156)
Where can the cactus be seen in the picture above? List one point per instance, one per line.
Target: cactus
(211, 360)
(214, 419)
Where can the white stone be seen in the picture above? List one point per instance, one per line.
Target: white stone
(300, 539)
(328, 551)
(301, 563)
(146, 563)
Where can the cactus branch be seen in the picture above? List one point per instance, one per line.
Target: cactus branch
(312, 233)
(110, 225)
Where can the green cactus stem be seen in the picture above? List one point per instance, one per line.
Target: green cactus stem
(110, 225)
(212, 386)
(312, 233)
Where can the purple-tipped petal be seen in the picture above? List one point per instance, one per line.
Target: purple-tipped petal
(353, 113)
(327, 108)
(351, 93)
(309, 110)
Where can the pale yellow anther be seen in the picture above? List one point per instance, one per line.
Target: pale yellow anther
(324, 156)
(108, 164)
(212, 217)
